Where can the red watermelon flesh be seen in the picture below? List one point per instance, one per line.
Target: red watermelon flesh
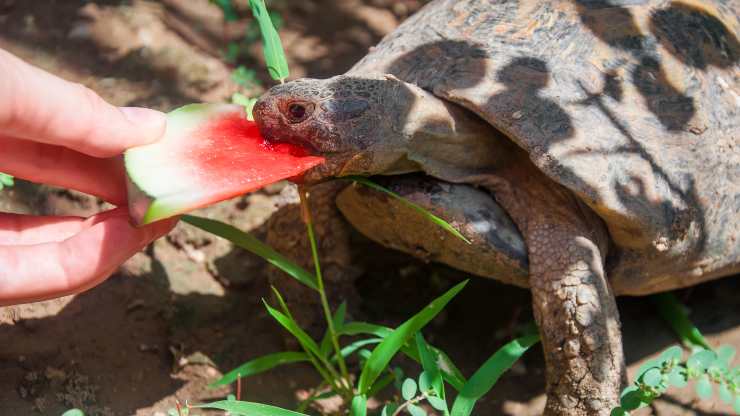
(209, 153)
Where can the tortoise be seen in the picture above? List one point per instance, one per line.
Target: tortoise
(587, 148)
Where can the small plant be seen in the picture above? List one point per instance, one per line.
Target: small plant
(329, 357)
(706, 367)
(264, 26)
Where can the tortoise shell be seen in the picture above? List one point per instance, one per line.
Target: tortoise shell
(632, 105)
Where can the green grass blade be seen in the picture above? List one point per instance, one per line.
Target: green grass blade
(338, 320)
(430, 365)
(383, 353)
(250, 243)
(281, 302)
(359, 405)
(675, 314)
(360, 328)
(277, 65)
(450, 372)
(351, 348)
(248, 408)
(431, 217)
(382, 383)
(259, 365)
(292, 326)
(488, 374)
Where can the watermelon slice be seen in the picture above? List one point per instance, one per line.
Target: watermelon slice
(209, 153)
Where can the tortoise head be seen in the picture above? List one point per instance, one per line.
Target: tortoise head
(355, 123)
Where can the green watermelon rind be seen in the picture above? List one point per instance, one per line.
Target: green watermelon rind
(149, 199)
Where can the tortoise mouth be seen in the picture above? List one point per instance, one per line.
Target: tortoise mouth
(274, 130)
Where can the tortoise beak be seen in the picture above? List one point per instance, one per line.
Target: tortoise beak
(267, 123)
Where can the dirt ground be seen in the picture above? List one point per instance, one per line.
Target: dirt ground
(189, 308)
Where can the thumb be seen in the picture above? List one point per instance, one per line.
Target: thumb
(41, 107)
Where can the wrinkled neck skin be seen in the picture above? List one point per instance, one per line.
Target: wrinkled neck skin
(380, 125)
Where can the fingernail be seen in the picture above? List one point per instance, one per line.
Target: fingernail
(146, 118)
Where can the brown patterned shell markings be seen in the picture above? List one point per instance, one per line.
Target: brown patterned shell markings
(632, 105)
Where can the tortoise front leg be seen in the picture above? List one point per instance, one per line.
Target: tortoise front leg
(578, 319)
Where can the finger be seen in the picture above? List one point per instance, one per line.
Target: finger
(18, 229)
(36, 105)
(43, 271)
(59, 166)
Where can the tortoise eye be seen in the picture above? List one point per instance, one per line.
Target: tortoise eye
(298, 111)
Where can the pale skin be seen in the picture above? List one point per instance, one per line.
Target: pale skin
(63, 134)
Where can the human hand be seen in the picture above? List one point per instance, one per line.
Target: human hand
(63, 134)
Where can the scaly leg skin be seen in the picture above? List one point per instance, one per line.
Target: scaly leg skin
(574, 305)
(578, 320)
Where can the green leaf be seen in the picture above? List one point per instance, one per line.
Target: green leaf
(292, 326)
(654, 363)
(631, 398)
(389, 409)
(674, 354)
(408, 389)
(450, 372)
(338, 321)
(381, 384)
(259, 365)
(248, 408)
(383, 353)
(358, 328)
(677, 377)
(246, 102)
(250, 243)
(736, 405)
(351, 348)
(73, 412)
(430, 366)
(488, 374)
(277, 65)
(415, 410)
(704, 387)
(725, 394)
(675, 314)
(431, 217)
(437, 403)
(726, 353)
(364, 354)
(701, 360)
(425, 384)
(359, 405)
(652, 377)
(618, 411)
